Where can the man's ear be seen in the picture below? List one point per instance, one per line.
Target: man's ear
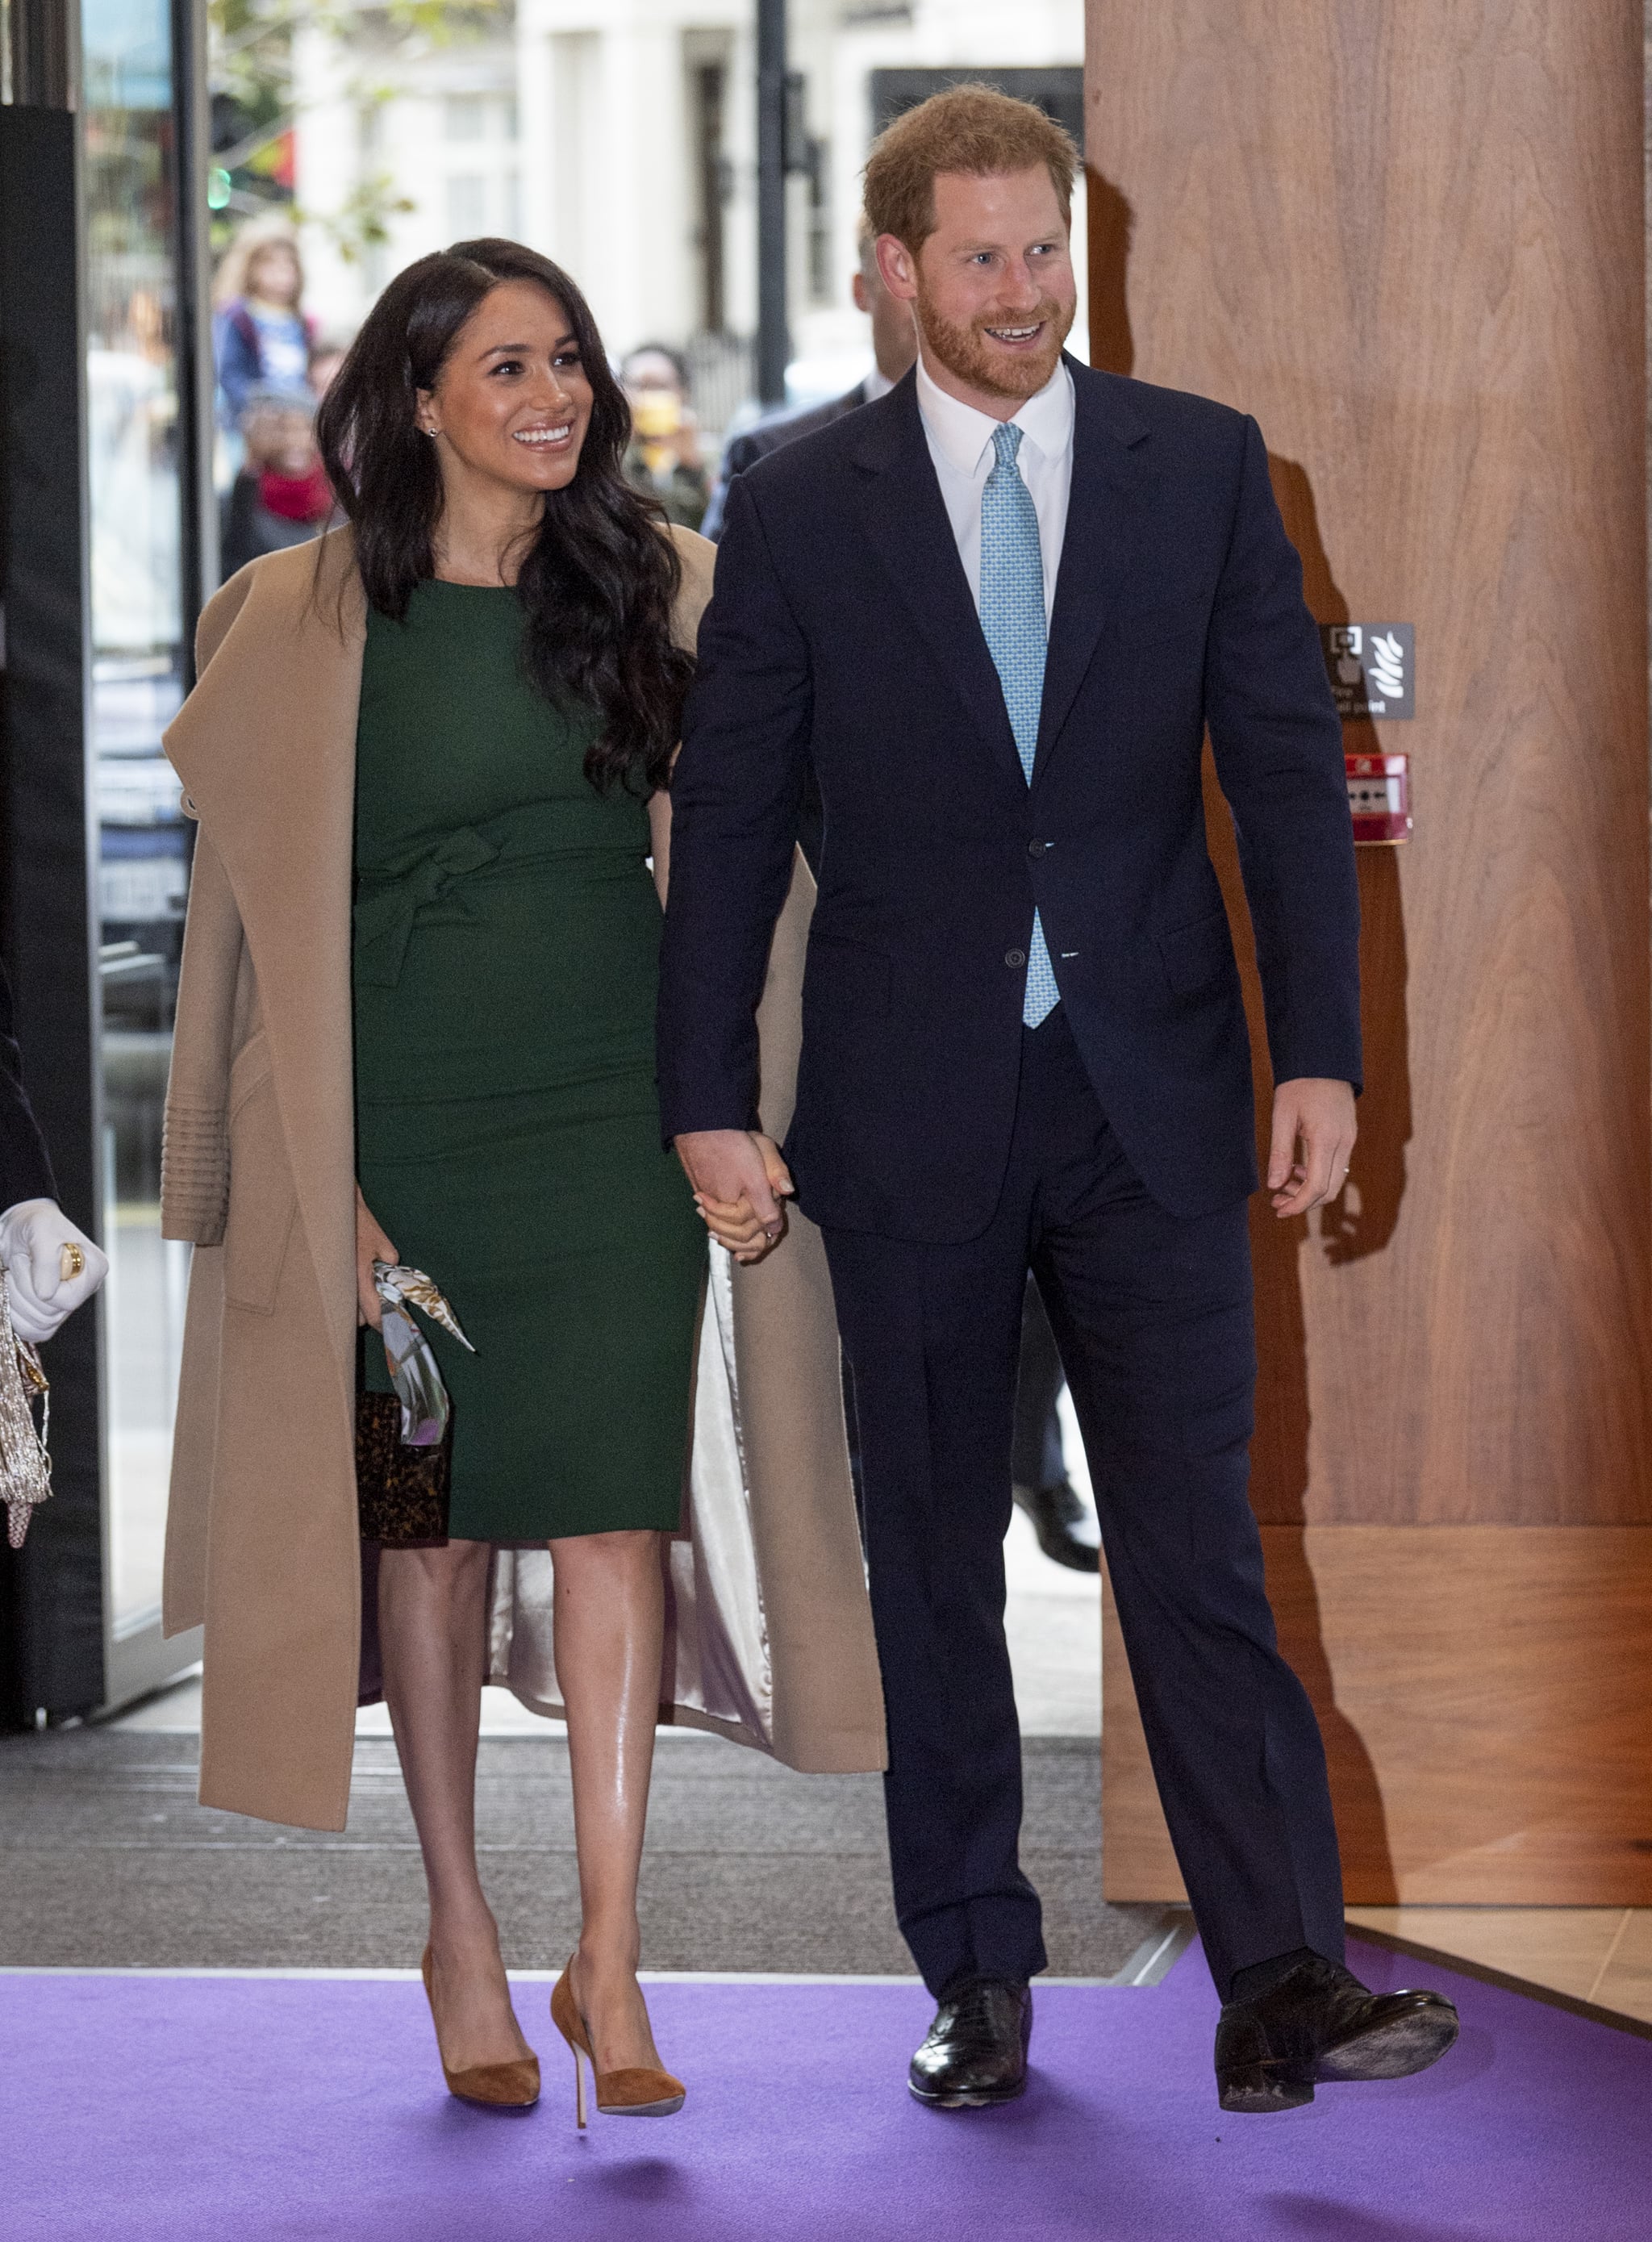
(899, 268)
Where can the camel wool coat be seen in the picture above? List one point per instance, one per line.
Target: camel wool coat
(769, 1636)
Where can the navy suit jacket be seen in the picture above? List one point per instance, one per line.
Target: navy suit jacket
(842, 632)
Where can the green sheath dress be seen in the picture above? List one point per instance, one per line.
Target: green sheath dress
(507, 1128)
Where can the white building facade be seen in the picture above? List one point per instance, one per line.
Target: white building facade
(620, 137)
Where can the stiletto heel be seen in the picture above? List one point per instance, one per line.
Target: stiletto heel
(636, 2093)
(496, 2085)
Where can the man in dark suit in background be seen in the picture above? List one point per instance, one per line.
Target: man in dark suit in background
(51, 1267)
(894, 348)
(1060, 1518)
(995, 611)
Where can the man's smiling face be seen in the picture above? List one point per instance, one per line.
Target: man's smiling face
(993, 285)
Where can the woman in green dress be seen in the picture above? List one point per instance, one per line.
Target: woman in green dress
(520, 703)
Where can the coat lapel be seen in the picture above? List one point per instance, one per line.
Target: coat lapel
(1112, 479)
(906, 522)
(265, 748)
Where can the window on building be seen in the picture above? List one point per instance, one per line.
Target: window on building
(467, 203)
(466, 117)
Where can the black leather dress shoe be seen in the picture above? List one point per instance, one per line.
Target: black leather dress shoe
(1318, 2025)
(977, 2050)
(1064, 1523)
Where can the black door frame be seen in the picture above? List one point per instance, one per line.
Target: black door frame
(60, 1657)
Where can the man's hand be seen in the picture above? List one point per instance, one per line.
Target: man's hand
(371, 1245)
(1313, 1134)
(739, 1179)
(51, 1267)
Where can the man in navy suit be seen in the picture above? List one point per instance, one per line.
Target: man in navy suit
(995, 611)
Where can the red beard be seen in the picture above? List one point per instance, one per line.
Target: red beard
(965, 353)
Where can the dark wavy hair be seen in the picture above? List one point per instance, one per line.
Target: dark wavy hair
(597, 584)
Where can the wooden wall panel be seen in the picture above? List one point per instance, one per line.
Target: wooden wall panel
(1487, 1709)
(1409, 238)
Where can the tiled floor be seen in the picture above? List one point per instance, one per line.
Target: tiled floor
(1598, 1954)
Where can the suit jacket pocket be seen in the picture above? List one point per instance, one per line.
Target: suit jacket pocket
(262, 1200)
(844, 982)
(1196, 955)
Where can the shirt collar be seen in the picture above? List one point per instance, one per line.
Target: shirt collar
(964, 436)
(877, 384)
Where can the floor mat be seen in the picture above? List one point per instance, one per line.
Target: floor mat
(144, 2108)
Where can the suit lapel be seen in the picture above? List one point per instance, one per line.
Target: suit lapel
(906, 522)
(1111, 479)
(265, 748)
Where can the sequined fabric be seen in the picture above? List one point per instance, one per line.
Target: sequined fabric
(25, 1468)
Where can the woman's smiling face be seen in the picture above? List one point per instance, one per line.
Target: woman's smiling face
(511, 402)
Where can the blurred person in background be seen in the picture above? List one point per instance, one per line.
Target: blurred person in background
(281, 496)
(893, 349)
(261, 338)
(326, 356)
(52, 1267)
(664, 457)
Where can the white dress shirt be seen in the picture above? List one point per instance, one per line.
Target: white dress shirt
(960, 441)
(877, 384)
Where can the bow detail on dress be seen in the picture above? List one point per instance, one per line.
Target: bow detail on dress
(390, 905)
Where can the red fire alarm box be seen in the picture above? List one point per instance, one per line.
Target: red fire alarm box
(1379, 798)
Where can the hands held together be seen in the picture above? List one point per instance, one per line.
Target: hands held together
(739, 1180)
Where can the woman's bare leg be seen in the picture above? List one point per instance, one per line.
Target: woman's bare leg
(431, 1634)
(610, 1619)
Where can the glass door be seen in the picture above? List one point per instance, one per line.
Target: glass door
(137, 368)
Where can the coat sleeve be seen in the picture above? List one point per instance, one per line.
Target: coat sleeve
(25, 1169)
(1278, 744)
(736, 796)
(697, 559)
(195, 1140)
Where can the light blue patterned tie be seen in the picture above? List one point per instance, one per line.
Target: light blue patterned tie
(1012, 618)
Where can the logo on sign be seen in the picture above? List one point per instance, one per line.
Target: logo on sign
(1370, 666)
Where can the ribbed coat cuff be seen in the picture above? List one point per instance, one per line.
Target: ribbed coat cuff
(195, 1174)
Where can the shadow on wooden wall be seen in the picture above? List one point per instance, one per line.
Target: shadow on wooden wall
(1362, 1219)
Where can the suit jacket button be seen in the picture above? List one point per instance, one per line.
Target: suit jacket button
(1015, 957)
(1037, 848)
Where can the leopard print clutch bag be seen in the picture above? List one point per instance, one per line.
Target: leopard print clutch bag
(402, 1493)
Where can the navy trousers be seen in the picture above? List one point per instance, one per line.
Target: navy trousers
(1154, 1318)
(1036, 1457)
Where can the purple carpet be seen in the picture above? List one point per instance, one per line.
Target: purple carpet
(197, 2110)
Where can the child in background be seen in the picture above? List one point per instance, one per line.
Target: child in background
(281, 497)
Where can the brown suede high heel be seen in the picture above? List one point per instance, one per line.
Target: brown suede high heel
(619, 2093)
(511, 2086)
